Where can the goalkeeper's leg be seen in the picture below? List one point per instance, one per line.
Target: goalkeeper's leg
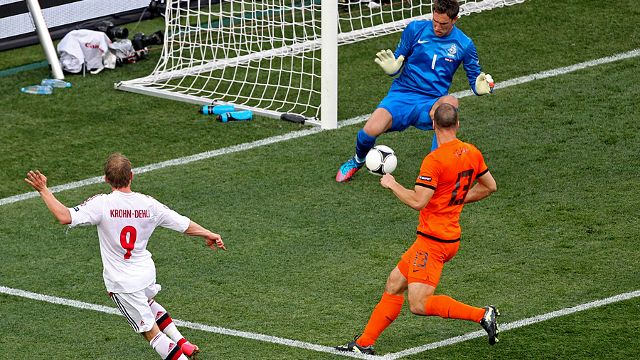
(378, 123)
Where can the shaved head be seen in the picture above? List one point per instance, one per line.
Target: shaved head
(446, 116)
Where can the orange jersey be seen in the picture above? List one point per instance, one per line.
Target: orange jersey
(450, 170)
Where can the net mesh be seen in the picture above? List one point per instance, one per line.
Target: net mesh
(265, 54)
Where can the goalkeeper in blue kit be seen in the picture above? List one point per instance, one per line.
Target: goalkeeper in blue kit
(427, 56)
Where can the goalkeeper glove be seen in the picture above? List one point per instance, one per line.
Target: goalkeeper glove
(484, 84)
(388, 61)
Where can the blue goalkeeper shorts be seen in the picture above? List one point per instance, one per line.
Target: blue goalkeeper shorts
(408, 108)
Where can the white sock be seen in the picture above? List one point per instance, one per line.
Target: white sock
(172, 331)
(166, 348)
(165, 322)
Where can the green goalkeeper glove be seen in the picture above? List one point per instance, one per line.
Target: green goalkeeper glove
(484, 84)
(388, 61)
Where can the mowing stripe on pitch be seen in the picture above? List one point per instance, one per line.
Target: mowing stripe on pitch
(174, 162)
(301, 133)
(516, 324)
(528, 78)
(182, 323)
(327, 349)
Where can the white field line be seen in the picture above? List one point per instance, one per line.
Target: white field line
(528, 78)
(516, 324)
(173, 162)
(182, 323)
(301, 133)
(327, 349)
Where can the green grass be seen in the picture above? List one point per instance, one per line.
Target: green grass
(308, 257)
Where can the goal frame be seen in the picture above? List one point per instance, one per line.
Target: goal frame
(328, 45)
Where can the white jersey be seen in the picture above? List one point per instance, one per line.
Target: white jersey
(125, 222)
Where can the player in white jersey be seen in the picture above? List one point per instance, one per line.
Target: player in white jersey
(125, 222)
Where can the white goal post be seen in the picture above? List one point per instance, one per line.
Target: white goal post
(273, 57)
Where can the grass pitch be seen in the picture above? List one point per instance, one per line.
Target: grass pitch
(308, 257)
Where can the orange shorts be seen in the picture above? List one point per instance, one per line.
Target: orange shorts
(424, 260)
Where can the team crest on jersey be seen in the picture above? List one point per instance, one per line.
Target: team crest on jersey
(453, 50)
(461, 151)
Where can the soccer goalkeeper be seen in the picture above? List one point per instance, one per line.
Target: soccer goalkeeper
(427, 56)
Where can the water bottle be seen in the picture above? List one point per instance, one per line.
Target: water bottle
(37, 89)
(244, 115)
(216, 109)
(56, 83)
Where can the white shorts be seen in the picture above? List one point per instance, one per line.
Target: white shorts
(135, 307)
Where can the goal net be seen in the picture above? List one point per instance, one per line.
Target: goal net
(272, 56)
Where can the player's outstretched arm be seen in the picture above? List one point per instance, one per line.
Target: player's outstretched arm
(484, 84)
(388, 62)
(212, 239)
(416, 199)
(38, 182)
(485, 186)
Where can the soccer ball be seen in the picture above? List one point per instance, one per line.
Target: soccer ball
(381, 160)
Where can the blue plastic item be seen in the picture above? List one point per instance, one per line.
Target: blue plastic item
(216, 109)
(56, 83)
(37, 89)
(244, 115)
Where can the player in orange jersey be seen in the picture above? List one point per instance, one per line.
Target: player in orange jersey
(444, 185)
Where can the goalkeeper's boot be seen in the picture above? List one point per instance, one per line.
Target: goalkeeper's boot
(189, 349)
(490, 324)
(348, 169)
(353, 346)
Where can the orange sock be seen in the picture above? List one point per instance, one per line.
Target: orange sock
(382, 316)
(446, 307)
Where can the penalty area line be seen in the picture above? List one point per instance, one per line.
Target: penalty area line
(516, 324)
(315, 130)
(185, 324)
(172, 162)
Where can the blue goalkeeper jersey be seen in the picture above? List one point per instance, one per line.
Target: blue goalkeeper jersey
(430, 61)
